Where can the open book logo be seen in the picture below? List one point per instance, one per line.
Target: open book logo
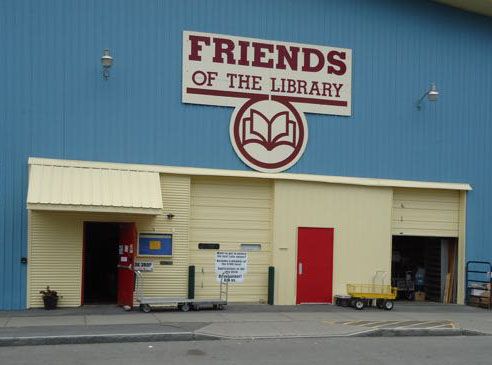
(268, 135)
(269, 132)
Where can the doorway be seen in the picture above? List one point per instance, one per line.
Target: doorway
(314, 265)
(425, 268)
(100, 279)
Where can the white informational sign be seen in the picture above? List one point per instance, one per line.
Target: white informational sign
(271, 85)
(144, 266)
(231, 266)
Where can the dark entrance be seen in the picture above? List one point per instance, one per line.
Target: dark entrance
(100, 278)
(424, 268)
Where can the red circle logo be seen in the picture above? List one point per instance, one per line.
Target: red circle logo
(268, 135)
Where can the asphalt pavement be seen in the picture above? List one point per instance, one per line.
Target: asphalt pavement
(102, 324)
(326, 351)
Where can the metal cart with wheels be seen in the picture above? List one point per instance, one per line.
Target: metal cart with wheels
(183, 304)
(365, 295)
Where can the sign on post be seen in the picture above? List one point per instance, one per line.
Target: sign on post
(231, 267)
(144, 266)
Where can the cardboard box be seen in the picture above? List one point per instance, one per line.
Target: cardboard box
(480, 293)
(419, 296)
(474, 300)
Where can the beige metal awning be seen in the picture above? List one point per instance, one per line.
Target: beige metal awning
(88, 189)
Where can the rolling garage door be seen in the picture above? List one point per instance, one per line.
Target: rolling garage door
(425, 212)
(231, 214)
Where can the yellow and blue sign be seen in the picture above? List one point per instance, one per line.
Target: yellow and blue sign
(154, 244)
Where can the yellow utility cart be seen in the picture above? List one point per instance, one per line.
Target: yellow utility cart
(363, 295)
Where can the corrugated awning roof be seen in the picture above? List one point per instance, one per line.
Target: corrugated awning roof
(87, 189)
(196, 171)
(477, 6)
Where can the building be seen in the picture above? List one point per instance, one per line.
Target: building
(285, 134)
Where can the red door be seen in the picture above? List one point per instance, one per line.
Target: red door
(126, 252)
(314, 265)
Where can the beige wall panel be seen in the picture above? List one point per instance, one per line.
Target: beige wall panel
(242, 214)
(460, 299)
(421, 212)
(427, 215)
(213, 224)
(55, 257)
(361, 217)
(57, 241)
(231, 211)
(236, 202)
(426, 195)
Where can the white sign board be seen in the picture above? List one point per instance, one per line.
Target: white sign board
(231, 266)
(224, 70)
(144, 266)
(271, 85)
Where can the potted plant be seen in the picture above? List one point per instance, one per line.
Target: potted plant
(50, 298)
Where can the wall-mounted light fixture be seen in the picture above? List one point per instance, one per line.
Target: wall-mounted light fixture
(170, 216)
(432, 94)
(107, 62)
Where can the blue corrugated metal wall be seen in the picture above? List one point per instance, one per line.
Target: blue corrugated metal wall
(54, 103)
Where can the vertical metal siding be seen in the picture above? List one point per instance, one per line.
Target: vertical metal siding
(54, 103)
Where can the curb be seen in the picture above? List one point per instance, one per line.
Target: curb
(103, 338)
(420, 332)
(190, 336)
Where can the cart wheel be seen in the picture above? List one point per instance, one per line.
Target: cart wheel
(388, 305)
(145, 308)
(185, 307)
(359, 304)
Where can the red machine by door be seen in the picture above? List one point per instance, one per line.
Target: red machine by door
(126, 253)
(314, 265)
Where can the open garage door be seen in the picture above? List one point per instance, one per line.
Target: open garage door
(425, 212)
(425, 228)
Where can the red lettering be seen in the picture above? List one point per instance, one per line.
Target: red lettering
(274, 85)
(326, 89)
(243, 82)
(284, 55)
(212, 75)
(256, 83)
(308, 52)
(224, 46)
(341, 67)
(259, 53)
(301, 87)
(196, 47)
(338, 87)
(291, 86)
(314, 88)
(243, 60)
(197, 80)
(231, 77)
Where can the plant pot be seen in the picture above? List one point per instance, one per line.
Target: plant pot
(50, 302)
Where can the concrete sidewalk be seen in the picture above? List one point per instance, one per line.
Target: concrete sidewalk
(112, 324)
